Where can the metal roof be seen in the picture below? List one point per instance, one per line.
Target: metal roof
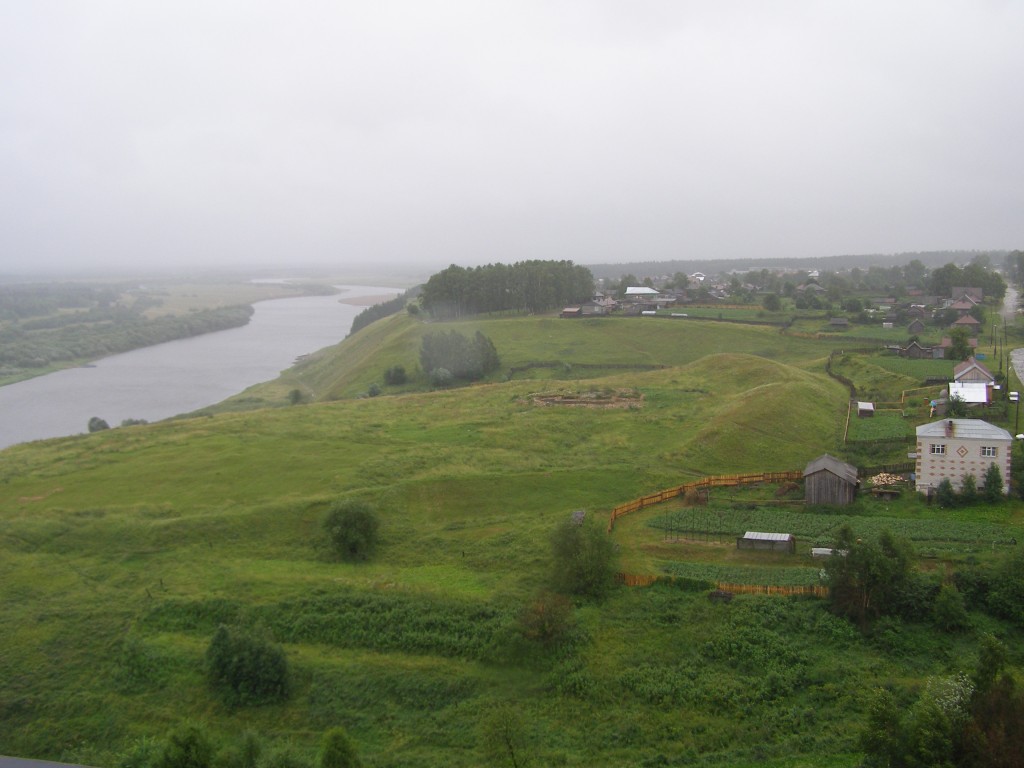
(968, 428)
(640, 290)
(969, 391)
(761, 536)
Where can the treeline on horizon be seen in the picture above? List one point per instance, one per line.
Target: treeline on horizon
(526, 286)
(830, 263)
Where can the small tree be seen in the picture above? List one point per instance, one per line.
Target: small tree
(949, 613)
(956, 407)
(96, 424)
(337, 750)
(968, 490)
(772, 302)
(503, 737)
(584, 559)
(945, 495)
(353, 529)
(992, 486)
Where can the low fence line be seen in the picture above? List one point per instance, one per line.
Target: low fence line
(646, 580)
(714, 481)
(772, 589)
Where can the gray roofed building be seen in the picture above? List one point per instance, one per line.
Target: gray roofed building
(827, 480)
(952, 449)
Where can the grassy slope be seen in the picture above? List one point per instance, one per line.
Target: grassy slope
(155, 532)
(524, 340)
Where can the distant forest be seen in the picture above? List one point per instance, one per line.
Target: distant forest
(44, 324)
(526, 286)
(829, 263)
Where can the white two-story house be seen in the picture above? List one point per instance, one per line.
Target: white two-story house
(956, 448)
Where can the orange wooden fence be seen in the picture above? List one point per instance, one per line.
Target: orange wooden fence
(646, 580)
(715, 481)
(771, 589)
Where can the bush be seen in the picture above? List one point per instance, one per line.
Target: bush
(546, 619)
(395, 376)
(353, 529)
(949, 613)
(246, 669)
(187, 747)
(96, 424)
(336, 750)
(584, 559)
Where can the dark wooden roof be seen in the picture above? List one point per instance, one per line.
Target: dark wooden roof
(833, 465)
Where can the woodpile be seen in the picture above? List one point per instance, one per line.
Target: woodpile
(886, 478)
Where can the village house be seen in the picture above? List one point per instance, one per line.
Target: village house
(916, 351)
(971, 370)
(966, 321)
(827, 480)
(955, 448)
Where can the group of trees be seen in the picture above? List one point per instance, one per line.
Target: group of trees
(448, 357)
(100, 332)
(526, 286)
(964, 719)
(383, 309)
(990, 492)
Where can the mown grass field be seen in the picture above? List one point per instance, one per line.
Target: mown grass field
(121, 552)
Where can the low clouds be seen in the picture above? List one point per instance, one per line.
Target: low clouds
(438, 132)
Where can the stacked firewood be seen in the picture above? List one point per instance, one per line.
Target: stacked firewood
(886, 478)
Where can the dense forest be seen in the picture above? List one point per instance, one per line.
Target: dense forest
(526, 286)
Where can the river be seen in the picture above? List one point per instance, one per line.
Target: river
(165, 380)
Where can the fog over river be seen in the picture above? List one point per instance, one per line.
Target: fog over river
(165, 380)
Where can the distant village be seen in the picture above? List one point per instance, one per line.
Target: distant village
(952, 315)
(941, 314)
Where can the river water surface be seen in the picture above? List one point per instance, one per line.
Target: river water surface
(165, 380)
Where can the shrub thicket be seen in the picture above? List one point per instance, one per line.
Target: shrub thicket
(244, 668)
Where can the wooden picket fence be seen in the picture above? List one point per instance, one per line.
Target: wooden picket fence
(646, 580)
(773, 589)
(715, 481)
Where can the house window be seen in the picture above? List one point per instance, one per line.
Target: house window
(938, 449)
(988, 451)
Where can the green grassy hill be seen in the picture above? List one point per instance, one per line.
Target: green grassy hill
(122, 551)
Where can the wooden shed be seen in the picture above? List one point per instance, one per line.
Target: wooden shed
(769, 542)
(827, 480)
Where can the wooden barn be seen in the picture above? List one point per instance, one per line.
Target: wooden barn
(827, 480)
(768, 542)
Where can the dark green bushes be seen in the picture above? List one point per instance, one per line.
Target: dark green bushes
(244, 668)
(463, 358)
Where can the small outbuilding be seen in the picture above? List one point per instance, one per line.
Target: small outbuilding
(865, 410)
(769, 542)
(827, 480)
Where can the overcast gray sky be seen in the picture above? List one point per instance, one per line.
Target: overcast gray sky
(248, 132)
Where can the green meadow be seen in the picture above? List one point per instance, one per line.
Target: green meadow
(121, 552)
